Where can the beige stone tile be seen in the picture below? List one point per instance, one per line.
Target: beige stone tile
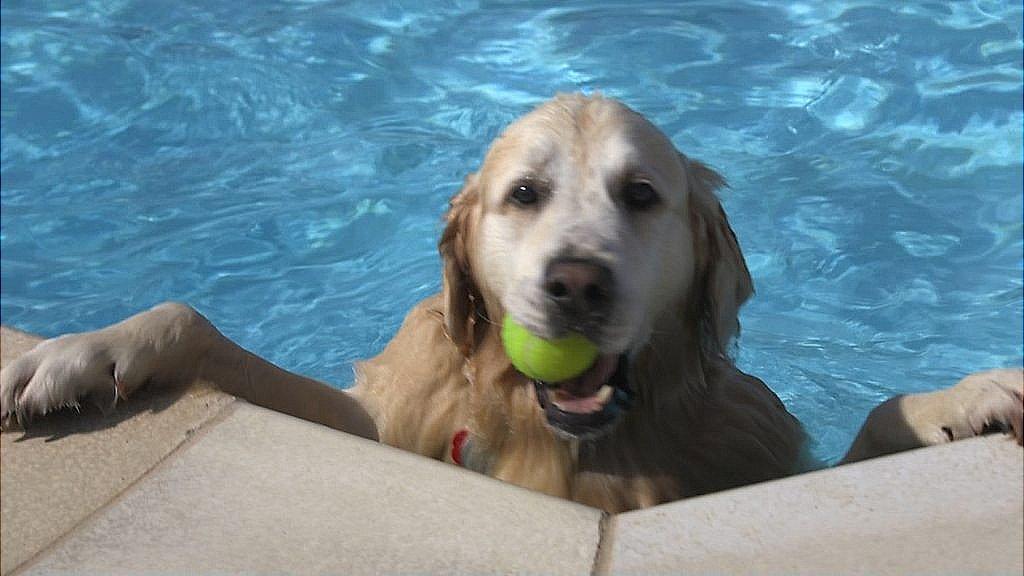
(265, 493)
(260, 492)
(952, 509)
(69, 465)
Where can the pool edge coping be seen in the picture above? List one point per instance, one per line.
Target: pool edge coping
(610, 552)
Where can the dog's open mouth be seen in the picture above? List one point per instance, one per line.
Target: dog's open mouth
(588, 405)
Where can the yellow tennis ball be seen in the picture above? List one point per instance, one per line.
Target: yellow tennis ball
(548, 360)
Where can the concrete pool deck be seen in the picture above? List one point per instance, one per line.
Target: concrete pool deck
(201, 483)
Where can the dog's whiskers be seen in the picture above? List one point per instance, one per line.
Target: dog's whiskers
(481, 314)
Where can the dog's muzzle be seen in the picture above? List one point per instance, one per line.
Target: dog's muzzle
(590, 424)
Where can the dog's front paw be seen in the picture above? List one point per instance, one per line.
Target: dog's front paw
(58, 373)
(984, 402)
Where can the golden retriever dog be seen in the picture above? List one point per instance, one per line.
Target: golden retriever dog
(583, 218)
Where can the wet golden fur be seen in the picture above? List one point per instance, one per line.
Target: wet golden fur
(699, 424)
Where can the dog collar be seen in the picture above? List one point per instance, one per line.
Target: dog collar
(458, 443)
(468, 454)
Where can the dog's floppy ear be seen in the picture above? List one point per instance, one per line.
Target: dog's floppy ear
(723, 282)
(460, 294)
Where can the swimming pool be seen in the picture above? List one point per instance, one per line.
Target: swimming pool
(283, 167)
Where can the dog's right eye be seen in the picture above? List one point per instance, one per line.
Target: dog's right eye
(524, 193)
(640, 196)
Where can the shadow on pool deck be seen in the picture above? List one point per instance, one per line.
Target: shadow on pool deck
(198, 482)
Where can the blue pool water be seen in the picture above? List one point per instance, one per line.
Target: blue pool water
(283, 166)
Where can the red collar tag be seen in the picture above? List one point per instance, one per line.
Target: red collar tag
(458, 443)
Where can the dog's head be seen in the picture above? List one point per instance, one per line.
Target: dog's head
(585, 218)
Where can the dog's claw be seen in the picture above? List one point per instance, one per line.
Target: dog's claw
(993, 401)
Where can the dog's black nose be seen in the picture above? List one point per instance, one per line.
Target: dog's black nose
(581, 290)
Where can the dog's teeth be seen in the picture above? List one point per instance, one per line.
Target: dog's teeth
(604, 394)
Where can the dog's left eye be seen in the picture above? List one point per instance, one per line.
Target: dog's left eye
(640, 196)
(525, 193)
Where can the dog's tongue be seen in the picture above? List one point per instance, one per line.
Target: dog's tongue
(580, 393)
